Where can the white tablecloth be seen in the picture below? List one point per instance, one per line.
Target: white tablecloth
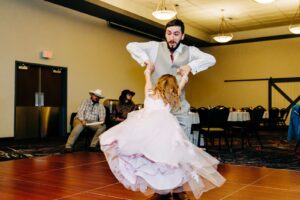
(194, 117)
(238, 116)
(195, 135)
(266, 115)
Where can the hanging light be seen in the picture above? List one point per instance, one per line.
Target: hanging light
(163, 12)
(295, 23)
(264, 1)
(224, 35)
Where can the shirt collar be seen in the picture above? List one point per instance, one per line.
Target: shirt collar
(179, 49)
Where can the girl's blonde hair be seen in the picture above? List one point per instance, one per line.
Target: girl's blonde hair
(167, 88)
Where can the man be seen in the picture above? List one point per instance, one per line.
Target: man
(90, 115)
(172, 57)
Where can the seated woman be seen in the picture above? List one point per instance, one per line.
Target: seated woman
(124, 106)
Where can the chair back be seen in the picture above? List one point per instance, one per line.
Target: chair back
(203, 115)
(273, 114)
(257, 115)
(217, 116)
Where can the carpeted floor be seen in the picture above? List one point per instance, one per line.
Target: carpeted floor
(276, 151)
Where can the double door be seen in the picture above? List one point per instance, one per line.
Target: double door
(40, 100)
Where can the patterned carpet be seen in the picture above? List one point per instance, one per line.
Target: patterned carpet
(276, 151)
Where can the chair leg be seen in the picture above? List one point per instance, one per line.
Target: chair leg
(298, 143)
(258, 138)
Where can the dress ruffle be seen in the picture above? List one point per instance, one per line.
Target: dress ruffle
(149, 152)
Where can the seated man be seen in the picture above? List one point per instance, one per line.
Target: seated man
(124, 106)
(89, 113)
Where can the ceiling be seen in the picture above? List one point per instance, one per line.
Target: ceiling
(247, 19)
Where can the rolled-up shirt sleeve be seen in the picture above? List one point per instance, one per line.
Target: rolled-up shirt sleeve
(142, 51)
(200, 61)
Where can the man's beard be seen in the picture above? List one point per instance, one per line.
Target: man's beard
(95, 101)
(172, 49)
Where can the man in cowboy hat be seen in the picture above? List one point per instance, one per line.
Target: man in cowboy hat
(90, 115)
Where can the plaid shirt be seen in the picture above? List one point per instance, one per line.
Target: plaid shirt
(91, 112)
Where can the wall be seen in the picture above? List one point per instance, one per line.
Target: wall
(277, 59)
(94, 54)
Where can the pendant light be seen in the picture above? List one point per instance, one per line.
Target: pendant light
(224, 34)
(164, 11)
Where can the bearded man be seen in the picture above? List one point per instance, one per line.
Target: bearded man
(172, 57)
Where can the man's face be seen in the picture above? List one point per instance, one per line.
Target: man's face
(94, 98)
(174, 36)
(128, 97)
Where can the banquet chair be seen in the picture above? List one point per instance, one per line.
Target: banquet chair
(216, 125)
(256, 118)
(203, 116)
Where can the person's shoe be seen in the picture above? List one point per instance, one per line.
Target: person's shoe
(68, 150)
(160, 197)
(180, 196)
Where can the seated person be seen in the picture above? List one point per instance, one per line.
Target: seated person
(124, 106)
(89, 111)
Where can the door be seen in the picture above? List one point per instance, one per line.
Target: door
(40, 103)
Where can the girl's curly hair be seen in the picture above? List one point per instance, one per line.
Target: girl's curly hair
(167, 88)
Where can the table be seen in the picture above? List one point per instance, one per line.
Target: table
(195, 119)
(236, 116)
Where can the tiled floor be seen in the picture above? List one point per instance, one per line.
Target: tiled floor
(84, 175)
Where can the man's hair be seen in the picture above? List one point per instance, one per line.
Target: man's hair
(176, 22)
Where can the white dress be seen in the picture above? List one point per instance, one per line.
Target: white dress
(149, 151)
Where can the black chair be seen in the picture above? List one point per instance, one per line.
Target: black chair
(256, 119)
(273, 120)
(203, 116)
(216, 125)
(283, 114)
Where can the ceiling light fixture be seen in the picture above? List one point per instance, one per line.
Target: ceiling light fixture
(224, 35)
(164, 11)
(264, 1)
(295, 23)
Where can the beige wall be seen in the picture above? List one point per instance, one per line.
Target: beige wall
(94, 54)
(277, 59)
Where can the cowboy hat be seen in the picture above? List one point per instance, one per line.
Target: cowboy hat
(125, 92)
(97, 93)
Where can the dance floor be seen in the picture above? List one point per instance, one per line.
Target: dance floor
(86, 175)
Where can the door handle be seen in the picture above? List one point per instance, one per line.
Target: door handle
(41, 98)
(36, 99)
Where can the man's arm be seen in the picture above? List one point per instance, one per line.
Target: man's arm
(199, 61)
(143, 52)
(81, 109)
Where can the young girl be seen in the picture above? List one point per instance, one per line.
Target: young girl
(149, 151)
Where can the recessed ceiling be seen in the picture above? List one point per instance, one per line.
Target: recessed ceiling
(246, 18)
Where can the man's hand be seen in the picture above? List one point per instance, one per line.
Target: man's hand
(83, 122)
(149, 65)
(184, 70)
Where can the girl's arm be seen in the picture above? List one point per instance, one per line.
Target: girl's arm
(182, 83)
(148, 83)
